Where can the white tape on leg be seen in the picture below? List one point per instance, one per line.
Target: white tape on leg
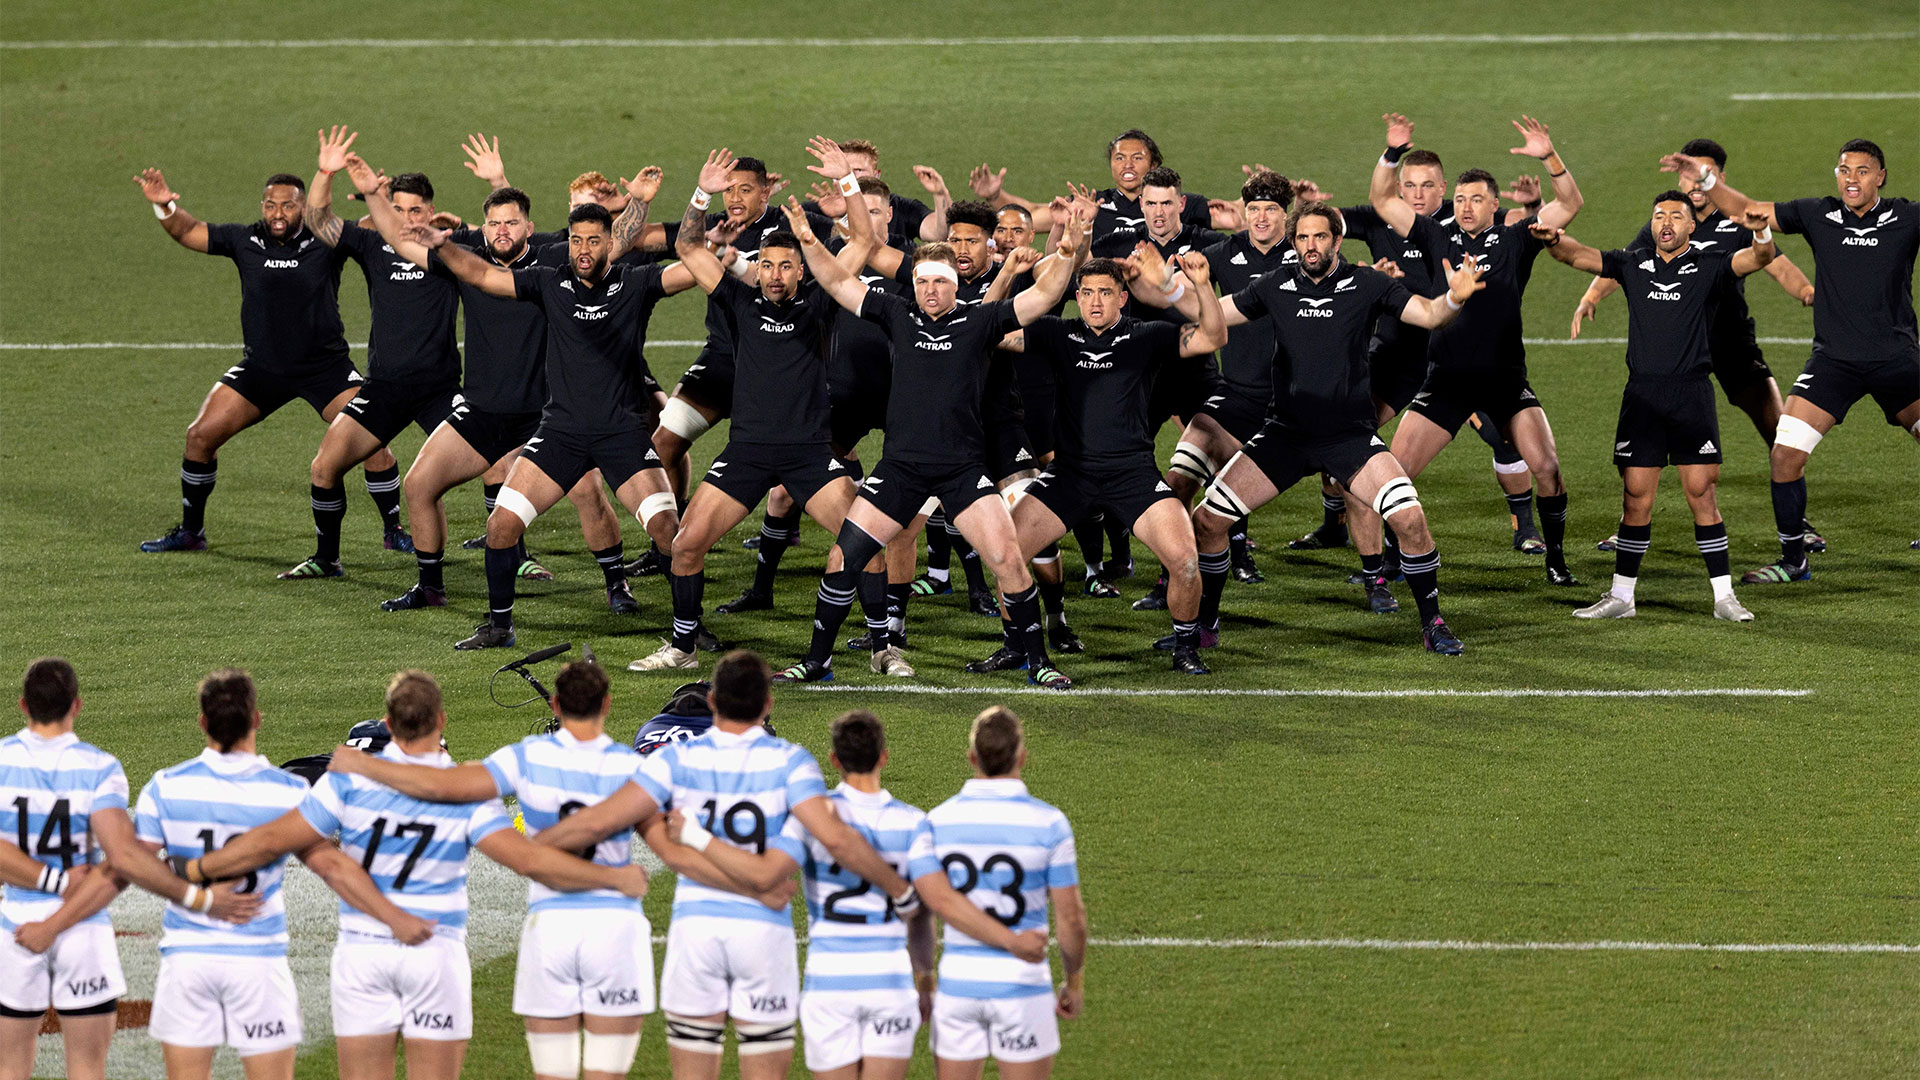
(516, 504)
(928, 508)
(1016, 491)
(609, 1053)
(683, 420)
(1798, 434)
(1512, 468)
(1190, 460)
(654, 505)
(1394, 496)
(554, 1053)
(1222, 500)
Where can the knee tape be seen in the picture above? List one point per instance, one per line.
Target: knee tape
(1394, 496)
(1509, 468)
(683, 420)
(609, 1053)
(1190, 460)
(1222, 501)
(554, 1053)
(516, 504)
(696, 1036)
(1016, 491)
(653, 505)
(1796, 433)
(763, 1038)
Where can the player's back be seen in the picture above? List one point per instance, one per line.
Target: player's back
(49, 791)
(856, 941)
(1003, 849)
(554, 775)
(415, 851)
(200, 805)
(741, 788)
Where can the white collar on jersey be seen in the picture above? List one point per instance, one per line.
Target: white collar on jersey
(230, 762)
(728, 738)
(999, 786)
(437, 757)
(65, 738)
(863, 798)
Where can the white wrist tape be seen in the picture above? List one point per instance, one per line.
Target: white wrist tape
(740, 267)
(694, 836)
(1764, 236)
(1452, 304)
(701, 200)
(1708, 181)
(167, 212)
(849, 185)
(53, 880)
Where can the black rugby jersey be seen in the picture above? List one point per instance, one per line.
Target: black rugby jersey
(1105, 383)
(780, 370)
(289, 297)
(593, 334)
(411, 339)
(1322, 384)
(939, 375)
(1670, 305)
(1863, 305)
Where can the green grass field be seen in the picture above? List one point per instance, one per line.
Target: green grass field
(1225, 820)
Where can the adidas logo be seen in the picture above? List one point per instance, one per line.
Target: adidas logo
(984, 483)
(1023, 455)
(1708, 447)
(1239, 259)
(833, 465)
(1162, 486)
(1647, 266)
(1289, 286)
(1834, 216)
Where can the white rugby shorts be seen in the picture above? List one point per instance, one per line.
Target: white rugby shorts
(597, 961)
(246, 1002)
(421, 991)
(845, 1026)
(81, 969)
(1005, 1029)
(742, 967)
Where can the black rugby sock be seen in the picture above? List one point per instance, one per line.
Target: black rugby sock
(384, 486)
(196, 484)
(500, 567)
(777, 534)
(612, 560)
(329, 509)
(1790, 521)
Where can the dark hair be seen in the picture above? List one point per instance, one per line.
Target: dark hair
(227, 701)
(413, 704)
(996, 740)
(1865, 146)
(1420, 157)
(1101, 268)
(1706, 148)
(753, 165)
(413, 183)
(1671, 195)
(1477, 176)
(506, 195)
(858, 741)
(580, 689)
(1267, 186)
(1161, 176)
(1153, 148)
(49, 689)
(1016, 208)
(781, 238)
(1317, 208)
(873, 185)
(742, 683)
(281, 179)
(593, 212)
(975, 213)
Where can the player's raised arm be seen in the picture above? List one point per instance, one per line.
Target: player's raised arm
(631, 224)
(334, 144)
(483, 160)
(1432, 314)
(990, 185)
(933, 227)
(464, 783)
(1210, 333)
(1565, 248)
(188, 231)
(690, 244)
(838, 282)
(1761, 252)
(1054, 274)
(380, 211)
(1538, 143)
(1729, 202)
(560, 870)
(861, 239)
(1383, 189)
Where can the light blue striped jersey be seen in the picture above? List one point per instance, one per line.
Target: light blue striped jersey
(1004, 849)
(201, 804)
(49, 790)
(554, 775)
(415, 851)
(740, 787)
(856, 942)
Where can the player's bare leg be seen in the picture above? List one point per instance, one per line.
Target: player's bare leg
(1167, 530)
(1802, 425)
(223, 414)
(529, 492)
(445, 462)
(708, 517)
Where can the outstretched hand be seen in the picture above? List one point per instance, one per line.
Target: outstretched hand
(1754, 219)
(1195, 265)
(833, 160)
(334, 145)
(827, 198)
(716, 171)
(1151, 264)
(1389, 268)
(1583, 312)
(154, 187)
(1020, 260)
(1228, 216)
(483, 158)
(1687, 168)
(1535, 141)
(931, 179)
(985, 182)
(1525, 189)
(1546, 234)
(797, 220)
(645, 184)
(1399, 129)
(1306, 191)
(1463, 282)
(365, 180)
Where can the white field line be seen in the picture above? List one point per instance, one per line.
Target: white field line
(1882, 95)
(1512, 692)
(1046, 41)
(670, 343)
(1390, 944)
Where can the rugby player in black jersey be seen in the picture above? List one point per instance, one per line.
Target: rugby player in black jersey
(1667, 415)
(1104, 364)
(909, 220)
(780, 434)
(504, 390)
(293, 345)
(1738, 363)
(935, 446)
(1324, 419)
(1130, 156)
(595, 314)
(1864, 341)
(1479, 363)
